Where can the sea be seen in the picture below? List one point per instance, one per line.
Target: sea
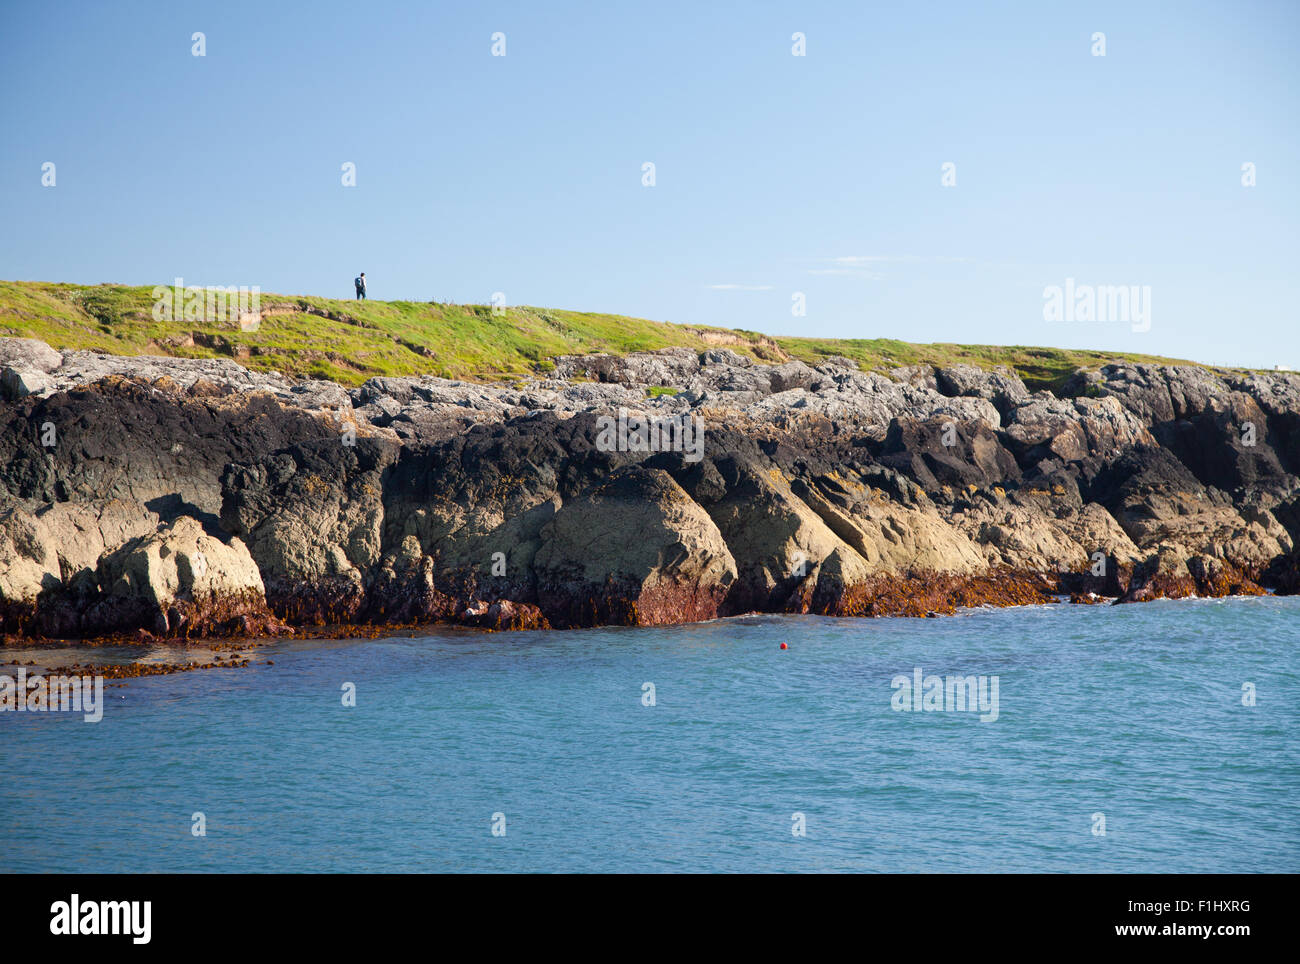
(1156, 737)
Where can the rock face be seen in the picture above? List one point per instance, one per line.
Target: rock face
(179, 580)
(72, 569)
(25, 366)
(635, 549)
(192, 497)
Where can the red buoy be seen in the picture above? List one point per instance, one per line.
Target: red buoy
(784, 646)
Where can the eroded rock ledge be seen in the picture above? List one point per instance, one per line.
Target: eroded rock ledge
(196, 497)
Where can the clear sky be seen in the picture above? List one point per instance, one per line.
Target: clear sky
(774, 174)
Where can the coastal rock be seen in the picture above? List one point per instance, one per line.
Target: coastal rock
(28, 562)
(1162, 576)
(505, 615)
(312, 517)
(1162, 393)
(824, 489)
(918, 376)
(667, 366)
(51, 555)
(1001, 386)
(25, 366)
(179, 580)
(635, 550)
(81, 368)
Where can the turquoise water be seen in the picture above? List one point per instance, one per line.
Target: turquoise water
(1134, 712)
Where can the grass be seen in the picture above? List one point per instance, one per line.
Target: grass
(350, 341)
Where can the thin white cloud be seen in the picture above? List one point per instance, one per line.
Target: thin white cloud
(860, 265)
(730, 287)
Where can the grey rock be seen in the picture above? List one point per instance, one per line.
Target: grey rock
(318, 393)
(665, 366)
(723, 357)
(918, 376)
(19, 382)
(25, 364)
(1002, 386)
(29, 354)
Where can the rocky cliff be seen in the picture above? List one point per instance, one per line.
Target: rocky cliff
(189, 497)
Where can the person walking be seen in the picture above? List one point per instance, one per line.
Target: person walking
(360, 282)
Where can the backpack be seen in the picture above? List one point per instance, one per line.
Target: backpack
(359, 282)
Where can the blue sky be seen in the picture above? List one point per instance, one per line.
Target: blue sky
(775, 174)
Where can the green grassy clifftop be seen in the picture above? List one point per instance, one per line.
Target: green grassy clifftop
(350, 341)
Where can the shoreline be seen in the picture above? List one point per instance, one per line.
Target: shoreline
(241, 652)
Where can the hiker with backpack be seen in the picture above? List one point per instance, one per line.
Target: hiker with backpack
(360, 282)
